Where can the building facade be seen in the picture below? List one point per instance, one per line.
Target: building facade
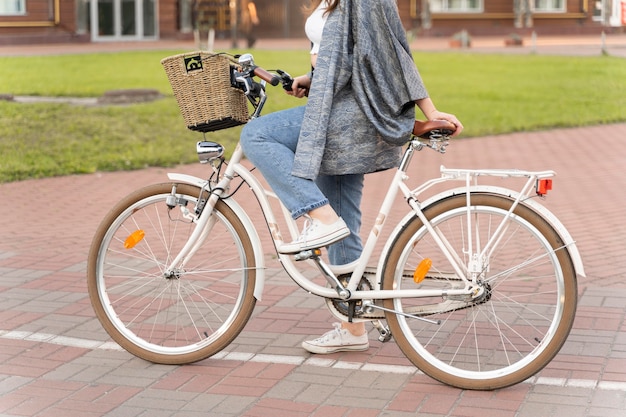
(36, 21)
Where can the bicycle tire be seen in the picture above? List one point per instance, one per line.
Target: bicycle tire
(179, 319)
(510, 335)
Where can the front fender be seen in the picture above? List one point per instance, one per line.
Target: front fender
(539, 208)
(247, 223)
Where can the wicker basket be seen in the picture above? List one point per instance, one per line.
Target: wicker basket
(201, 82)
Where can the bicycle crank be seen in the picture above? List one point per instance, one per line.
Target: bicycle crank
(343, 306)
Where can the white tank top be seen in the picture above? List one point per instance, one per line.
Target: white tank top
(315, 26)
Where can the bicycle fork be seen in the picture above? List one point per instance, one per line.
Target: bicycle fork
(204, 219)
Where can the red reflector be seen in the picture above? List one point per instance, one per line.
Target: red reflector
(543, 186)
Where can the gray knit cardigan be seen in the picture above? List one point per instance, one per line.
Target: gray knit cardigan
(361, 103)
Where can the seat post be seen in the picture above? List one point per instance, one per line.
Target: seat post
(408, 154)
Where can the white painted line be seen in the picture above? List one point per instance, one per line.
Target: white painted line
(60, 340)
(239, 356)
(581, 383)
(612, 385)
(282, 359)
(347, 365)
(390, 369)
(552, 382)
(319, 362)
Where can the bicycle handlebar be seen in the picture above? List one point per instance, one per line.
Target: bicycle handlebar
(273, 79)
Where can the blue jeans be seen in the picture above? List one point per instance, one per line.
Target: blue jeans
(270, 142)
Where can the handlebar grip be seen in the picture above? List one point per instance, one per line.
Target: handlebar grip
(267, 76)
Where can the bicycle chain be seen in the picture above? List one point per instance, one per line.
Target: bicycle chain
(341, 306)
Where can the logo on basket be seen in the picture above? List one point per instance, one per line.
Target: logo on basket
(193, 63)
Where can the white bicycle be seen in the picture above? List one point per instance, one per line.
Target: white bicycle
(477, 284)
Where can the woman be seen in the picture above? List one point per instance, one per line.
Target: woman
(360, 111)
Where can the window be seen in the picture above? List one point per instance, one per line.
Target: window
(549, 5)
(598, 10)
(456, 6)
(12, 7)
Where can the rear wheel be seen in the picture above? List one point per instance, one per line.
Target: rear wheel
(175, 318)
(529, 295)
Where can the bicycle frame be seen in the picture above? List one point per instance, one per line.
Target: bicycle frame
(468, 274)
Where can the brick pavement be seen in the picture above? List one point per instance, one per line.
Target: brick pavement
(55, 359)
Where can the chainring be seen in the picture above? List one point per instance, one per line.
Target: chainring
(342, 306)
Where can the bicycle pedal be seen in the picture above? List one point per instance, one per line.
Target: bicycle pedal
(308, 254)
(384, 332)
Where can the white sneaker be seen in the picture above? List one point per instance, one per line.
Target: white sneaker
(316, 235)
(337, 340)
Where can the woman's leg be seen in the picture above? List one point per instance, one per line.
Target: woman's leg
(270, 142)
(344, 193)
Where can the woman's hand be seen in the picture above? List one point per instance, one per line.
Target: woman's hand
(300, 86)
(430, 111)
(439, 115)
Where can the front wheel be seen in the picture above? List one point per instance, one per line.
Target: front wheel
(524, 314)
(179, 316)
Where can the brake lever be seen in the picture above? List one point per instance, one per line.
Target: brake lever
(285, 79)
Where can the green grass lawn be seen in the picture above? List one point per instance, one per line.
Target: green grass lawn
(490, 93)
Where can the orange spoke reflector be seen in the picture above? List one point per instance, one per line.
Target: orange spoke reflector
(134, 238)
(421, 270)
(543, 186)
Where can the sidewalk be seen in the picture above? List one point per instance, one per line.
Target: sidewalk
(582, 45)
(56, 360)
